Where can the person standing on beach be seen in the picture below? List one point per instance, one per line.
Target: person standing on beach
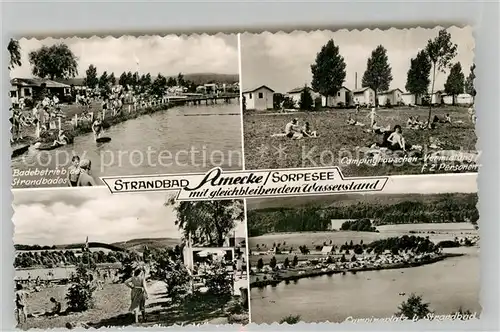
(239, 265)
(85, 179)
(138, 294)
(21, 304)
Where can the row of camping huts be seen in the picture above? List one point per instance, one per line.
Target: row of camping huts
(262, 98)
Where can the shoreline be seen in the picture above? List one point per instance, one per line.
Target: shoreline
(313, 273)
(18, 148)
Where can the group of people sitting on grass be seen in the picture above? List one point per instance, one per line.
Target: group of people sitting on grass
(294, 130)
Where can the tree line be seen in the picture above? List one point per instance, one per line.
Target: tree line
(55, 258)
(139, 83)
(360, 225)
(442, 208)
(329, 70)
(59, 62)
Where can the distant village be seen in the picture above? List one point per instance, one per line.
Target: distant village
(22, 88)
(263, 98)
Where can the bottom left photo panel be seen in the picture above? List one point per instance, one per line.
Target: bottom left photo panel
(85, 258)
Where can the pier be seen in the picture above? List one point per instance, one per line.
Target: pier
(198, 99)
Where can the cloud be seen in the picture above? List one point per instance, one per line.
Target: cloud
(64, 216)
(94, 213)
(167, 55)
(283, 60)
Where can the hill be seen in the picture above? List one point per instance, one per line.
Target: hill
(316, 213)
(134, 244)
(204, 78)
(339, 200)
(157, 243)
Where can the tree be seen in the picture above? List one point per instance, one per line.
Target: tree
(441, 50)
(469, 82)
(159, 85)
(306, 102)
(378, 73)
(123, 81)
(171, 82)
(295, 261)
(414, 308)
(208, 222)
(180, 80)
(56, 61)
(133, 79)
(328, 71)
(103, 80)
(417, 78)
(455, 82)
(15, 54)
(104, 84)
(80, 295)
(286, 263)
(91, 79)
(145, 82)
(112, 79)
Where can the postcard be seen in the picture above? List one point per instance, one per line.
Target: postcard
(275, 177)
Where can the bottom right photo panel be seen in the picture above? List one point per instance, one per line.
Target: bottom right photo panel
(410, 252)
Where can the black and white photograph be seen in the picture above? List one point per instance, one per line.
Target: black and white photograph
(85, 258)
(373, 102)
(122, 106)
(410, 252)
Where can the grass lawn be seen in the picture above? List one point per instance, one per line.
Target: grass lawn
(112, 305)
(261, 150)
(113, 300)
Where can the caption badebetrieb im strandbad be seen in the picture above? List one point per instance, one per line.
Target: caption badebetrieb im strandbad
(311, 176)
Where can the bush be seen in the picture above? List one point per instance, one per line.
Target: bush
(448, 244)
(217, 280)
(80, 294)
(291, 319)
(178, 281)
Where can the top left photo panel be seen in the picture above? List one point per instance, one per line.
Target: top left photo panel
(84, 108)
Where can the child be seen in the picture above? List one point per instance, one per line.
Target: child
(74, 171)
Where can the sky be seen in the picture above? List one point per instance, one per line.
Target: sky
(167, 55)
(65, 216)
(283, 61)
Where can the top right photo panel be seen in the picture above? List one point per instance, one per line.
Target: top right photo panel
(372, 102)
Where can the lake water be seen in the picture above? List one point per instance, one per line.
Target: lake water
(178, 140)
(446, 285)
(58, 273)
